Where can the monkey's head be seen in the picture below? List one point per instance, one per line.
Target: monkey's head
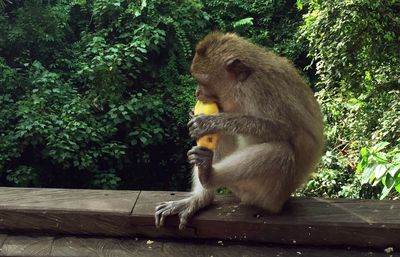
(219, 64)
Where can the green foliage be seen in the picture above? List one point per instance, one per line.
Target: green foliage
(381, 168)
(246, 22)
(355, 52)
(272, 24)
(95, 93)
(333, 179)
(355, 42)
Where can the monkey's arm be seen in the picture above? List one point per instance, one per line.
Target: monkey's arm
(267, 129)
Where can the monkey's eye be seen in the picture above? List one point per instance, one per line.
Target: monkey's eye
(201, 50)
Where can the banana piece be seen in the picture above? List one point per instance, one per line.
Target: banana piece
(208, 141)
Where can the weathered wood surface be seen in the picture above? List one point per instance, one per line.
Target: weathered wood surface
(67, 246)
(67, 210)
(304, 221)
(26, 246)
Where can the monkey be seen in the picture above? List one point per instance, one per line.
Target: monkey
(270, 127)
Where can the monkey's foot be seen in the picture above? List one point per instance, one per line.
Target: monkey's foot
(185, 209)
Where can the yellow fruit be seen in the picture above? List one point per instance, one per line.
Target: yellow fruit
(207, 141)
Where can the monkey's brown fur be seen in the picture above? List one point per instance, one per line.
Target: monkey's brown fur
(270, 126)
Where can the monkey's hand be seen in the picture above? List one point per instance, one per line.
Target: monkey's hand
(202, 158)
(200, 125)
(185, 209)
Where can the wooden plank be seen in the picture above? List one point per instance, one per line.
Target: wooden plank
(26, 246)
(121, 247)
(110, 201)
(227, 249)
(2, 239)
(310, 221)
(94, 247)
(304, 221)
(99, 212)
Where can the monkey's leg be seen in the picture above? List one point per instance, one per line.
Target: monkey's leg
(262, 174)
(187, 207)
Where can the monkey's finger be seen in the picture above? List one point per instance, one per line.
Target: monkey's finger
(195, 119)
(198, 149)
(191, 121)
(182, 225)
(192, 125)
(157, 219)
(191, 114)
(161, 215)
(160, 209)
(196, 133)
(182, 222)
(199, 162)
(161, 206)
(201, 151)
(184, 217)
(192, 160)
(197, 156)
(193, 132)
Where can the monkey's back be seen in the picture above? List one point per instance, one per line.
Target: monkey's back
(277, 91)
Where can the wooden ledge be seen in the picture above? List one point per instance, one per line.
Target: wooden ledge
(305, 221)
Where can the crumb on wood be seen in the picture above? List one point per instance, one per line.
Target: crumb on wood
(389, 250)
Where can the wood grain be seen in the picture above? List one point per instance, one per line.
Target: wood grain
(69, 246)
(104, 247)
(70, 211)
(311, 221)
(122, 247)
(26, 246)
(2, 239)
(77, 200)
(304, 221)
(227, 249)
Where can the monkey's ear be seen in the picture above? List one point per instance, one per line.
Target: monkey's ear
(240, 70)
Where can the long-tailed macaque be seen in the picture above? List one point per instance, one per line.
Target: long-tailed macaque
(270, 127)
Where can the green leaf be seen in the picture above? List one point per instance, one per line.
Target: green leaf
(367, 173)
(397, 187)
(393, 171)
(380, 146)
(364, 151)
(299, 4)
(385, 192)
(388, 180)
(380, 170)
(243, 22)
(143, 140)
